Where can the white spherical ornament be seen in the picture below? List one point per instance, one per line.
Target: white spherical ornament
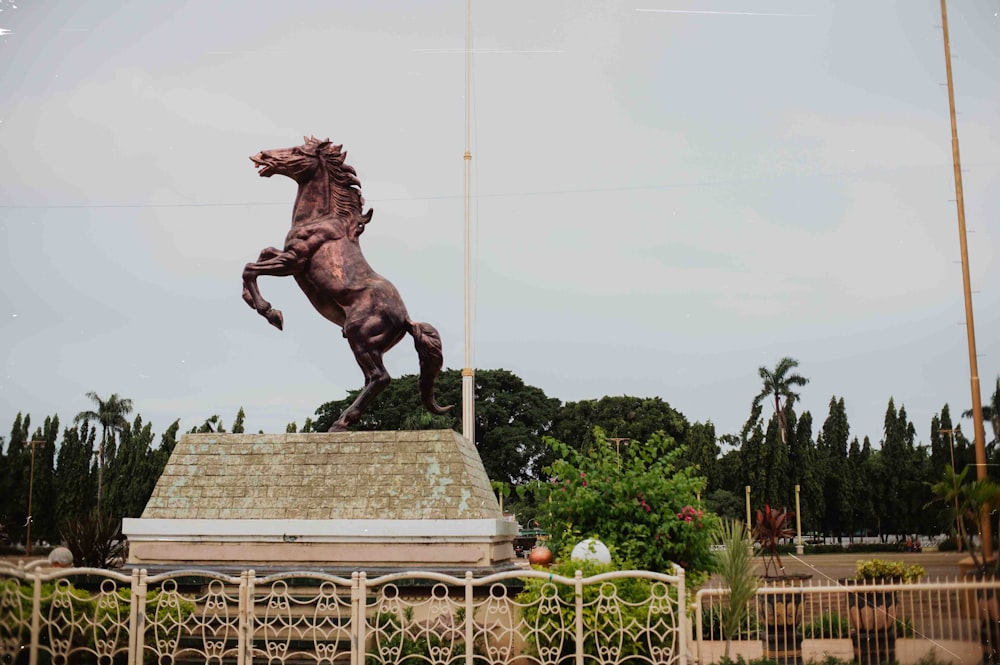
(591, 549)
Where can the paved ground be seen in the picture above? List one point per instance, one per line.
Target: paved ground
(831, 567)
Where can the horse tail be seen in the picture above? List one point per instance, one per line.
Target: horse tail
(428, 344)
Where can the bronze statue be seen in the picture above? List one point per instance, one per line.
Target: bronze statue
(323, 254)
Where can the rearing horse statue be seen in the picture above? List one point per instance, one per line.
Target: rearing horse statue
(322, 253)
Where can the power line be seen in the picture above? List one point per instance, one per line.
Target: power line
(497, 195)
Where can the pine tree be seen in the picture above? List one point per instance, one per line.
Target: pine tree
(237, 427)
(75, 486)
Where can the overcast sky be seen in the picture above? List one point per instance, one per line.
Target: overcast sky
(668, 195)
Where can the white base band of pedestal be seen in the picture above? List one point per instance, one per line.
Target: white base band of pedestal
(473, 542)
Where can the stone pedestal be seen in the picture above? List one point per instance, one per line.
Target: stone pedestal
(361, 500)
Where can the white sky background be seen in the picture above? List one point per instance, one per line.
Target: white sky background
(666, 200)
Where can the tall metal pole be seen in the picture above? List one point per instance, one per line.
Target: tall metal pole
(749, 523)
(31, 488)
(799, 547)
(977, 405)
(468, 377)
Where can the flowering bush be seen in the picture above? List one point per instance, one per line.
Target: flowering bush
(643, 507)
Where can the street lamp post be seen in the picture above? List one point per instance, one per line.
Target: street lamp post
(954, 479)
(749, 529)
(31, 487)
(799, 548)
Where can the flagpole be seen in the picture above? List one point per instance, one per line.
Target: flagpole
(468, 386)
(970, 327)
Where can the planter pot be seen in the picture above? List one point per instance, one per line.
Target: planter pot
(873, 623)
(782, 619)
(989, 625)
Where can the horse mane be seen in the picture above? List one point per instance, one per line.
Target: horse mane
(346, 189)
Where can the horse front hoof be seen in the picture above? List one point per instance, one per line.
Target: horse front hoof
(275, 318)
(338, 427)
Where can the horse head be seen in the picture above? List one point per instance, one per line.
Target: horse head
(298, 163)
(319, 166)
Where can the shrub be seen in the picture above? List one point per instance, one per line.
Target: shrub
(880, 569)
(401, 641)
(95, 540)
(948, 545)
(643, 507)
(828, 625)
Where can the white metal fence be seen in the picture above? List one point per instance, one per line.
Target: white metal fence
(526, 617)
(947, 620)
(85, 615)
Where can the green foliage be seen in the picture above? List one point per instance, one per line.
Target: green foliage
(60, 599)
(634, 419)
(880, 569)
(95, 540)
(238, 424)
(829, 625)
(110, 414)
(633, 593)
(643, 507)
(511, 418)
(401, 641)
(734, 564)
(713, 626)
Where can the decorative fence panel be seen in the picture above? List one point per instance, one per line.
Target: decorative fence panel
(84, 615)
(949, 620)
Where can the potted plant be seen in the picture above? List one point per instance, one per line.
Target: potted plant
(733, 561)
(966, 501)
(782, 611)
(873, 616)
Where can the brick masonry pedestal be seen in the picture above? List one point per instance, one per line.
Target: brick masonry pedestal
(418, 499)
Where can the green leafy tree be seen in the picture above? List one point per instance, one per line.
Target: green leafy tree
(511, 418)
(237, 427)
(903, 494)
(15, 474)
(43, 499)
(76, 488)
(134, 471)
(805, 470)
(991, 412)
(832, 445)
(211, 424)
(644, 508)
(702, 452)
(778, 384)
(623, 417)
(110, 414)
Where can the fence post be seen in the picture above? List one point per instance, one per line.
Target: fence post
(685, 633)
(359, 593)
(469, 610)
(36, 619)
(137, 618)
(578, 588)
(244, 630)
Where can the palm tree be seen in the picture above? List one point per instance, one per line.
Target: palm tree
(778, 383)
(991, 412)
(110, 413)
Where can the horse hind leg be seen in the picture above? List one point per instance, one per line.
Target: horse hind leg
(376, 379)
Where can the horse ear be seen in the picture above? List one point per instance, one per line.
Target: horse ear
(368, 216)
